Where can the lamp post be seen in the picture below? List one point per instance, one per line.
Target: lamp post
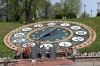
(98, 6)
(91, 13)
(97, 11)
(84, 10)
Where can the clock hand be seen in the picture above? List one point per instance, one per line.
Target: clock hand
(46, 32)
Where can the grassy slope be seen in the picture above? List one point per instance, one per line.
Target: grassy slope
(6, 27)
(94, 23)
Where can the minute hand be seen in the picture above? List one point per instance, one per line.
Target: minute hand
(46, 32)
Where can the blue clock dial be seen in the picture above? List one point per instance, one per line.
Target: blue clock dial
(58, 34)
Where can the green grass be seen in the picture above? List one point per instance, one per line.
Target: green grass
(94, 23)
(6, 27)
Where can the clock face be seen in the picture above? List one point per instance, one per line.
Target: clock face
(51, 33)
(60, 33)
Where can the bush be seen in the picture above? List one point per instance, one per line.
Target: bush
(71, 15)
(58, 16)
(68, 15)
(98, 14)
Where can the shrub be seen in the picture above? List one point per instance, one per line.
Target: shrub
(98, 14)
(71, 15)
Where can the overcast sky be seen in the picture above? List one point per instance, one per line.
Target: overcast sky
(90, 5)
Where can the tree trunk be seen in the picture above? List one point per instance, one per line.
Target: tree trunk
(46, 10)
(37, 16)
(19, 15)
(7, 19)
(27, 10)
(27, 16)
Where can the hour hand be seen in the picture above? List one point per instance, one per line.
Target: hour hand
(46, 33)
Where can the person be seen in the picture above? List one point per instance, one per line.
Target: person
(33, 18)
(85, 54)
(62, 58)
(66, 51)
(5, 61)
(34, 61)
(73, 58)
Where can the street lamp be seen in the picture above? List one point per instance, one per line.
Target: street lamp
(84, 10)
(98, 6)
(91, 13)
(97, 11)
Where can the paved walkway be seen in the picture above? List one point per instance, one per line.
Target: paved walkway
(56, 63)
(96, 63)
(44, 62)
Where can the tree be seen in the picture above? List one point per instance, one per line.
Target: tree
(35, 5)
(58, 13)
(13, 9)
(47, 5)
(2, 13)
(67, 8)
(82, 15)
(18, 9)
(72, 6)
